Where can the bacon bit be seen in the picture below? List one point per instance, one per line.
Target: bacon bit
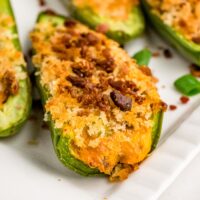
(74, 92)
(84, 39)
(103, 102)
(9, 86)
(139, 100)
(83, 69)
(121, 101)
(42, 2)
(167, 53)
(80, 72)
(118, 85)
(84, 51)
(70, 23)
(196, 40)
(172, 107)
(102, 28)
(131, 85)
(163, 106)
(90, 38)
(184, 99)
(182, 23)
(146, 70)
(195, 70)
(83, 113)
(107, 64)
(123, 86)
(156, 54)
(103, 84)
(94, 98)
(77, 81)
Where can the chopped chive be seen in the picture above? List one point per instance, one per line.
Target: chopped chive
(143, 57)
(188, 85)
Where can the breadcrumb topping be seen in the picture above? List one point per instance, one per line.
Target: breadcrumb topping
(182, 15)
(81, 69)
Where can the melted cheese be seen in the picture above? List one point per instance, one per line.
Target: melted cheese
(118, 10)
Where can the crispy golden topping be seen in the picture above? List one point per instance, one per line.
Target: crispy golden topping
(10, 60)
(183, 15)
(118, 10)
(99, 97)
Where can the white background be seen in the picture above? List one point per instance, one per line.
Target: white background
(187, 184)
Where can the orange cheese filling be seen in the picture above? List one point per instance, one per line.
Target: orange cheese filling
(118, 10)
(183, 15)
(99, 97)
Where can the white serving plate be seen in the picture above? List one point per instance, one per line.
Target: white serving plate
(34, 172)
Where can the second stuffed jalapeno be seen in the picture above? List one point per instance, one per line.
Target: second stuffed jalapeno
(122, 20)
(179, 23)
(104, 111)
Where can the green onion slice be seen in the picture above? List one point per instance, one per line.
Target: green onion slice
(143, 57)
(188, 85)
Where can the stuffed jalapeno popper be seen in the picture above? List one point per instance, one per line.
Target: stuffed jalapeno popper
(179, 23)
(122, 20)
(104, 112)
(15, 98)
